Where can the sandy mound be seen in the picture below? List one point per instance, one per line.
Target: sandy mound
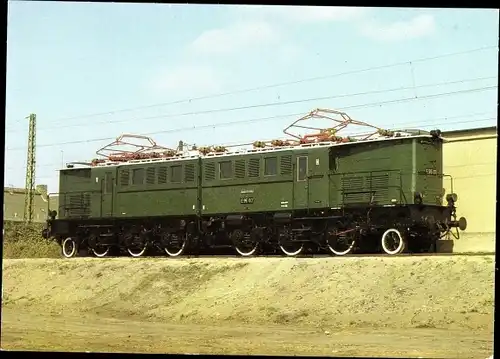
(441, 292)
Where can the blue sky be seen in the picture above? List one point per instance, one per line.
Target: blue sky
(68, 60)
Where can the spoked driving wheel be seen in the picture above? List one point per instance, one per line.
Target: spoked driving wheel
(287, 244)
(101, 250)
(174, 244)
(393, 242)
(342, 242)
(98, 249)
(244, 243)
(137, 246)
(69, 247)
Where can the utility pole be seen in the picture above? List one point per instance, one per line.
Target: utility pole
(29, 198)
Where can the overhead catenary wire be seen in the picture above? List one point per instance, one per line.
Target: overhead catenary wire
(287, 83)
(366, 105)
(273, 104)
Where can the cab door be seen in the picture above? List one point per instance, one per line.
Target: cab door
(301, 183)
(107, 188)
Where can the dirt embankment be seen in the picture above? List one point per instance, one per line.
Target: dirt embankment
(418, 292)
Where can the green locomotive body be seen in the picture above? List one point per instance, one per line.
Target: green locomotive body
(307, 178)
(333, 196)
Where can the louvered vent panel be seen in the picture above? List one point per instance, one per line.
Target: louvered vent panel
(253, 167)
(379, 184)
(286, 165)
(189, 173)
(162, 175)
(78, 205)
(378, 181)
(352, 184)
(150, 175)
(354, 191)
(124, 177)
(209, 171)
(239, 168)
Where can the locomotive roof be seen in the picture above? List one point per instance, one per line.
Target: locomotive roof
(277, 149)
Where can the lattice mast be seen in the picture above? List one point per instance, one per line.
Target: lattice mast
(29, 198)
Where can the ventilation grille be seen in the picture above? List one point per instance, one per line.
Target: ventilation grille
(189, 173)
(352, 183)
(162, 175)
(378, 181)
(150, 175)
(124, 177)
(77, 205)
(353, 190)
(239, 169)
(368, 189)
(209, 171)
(286, 165)
(254, 167)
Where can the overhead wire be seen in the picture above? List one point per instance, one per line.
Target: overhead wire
(274, 104)
(366, 105)
(264, 87)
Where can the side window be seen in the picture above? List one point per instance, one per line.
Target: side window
(108, 183)
(225, 170)
(138, 176)
(301, 168)
(270, 166)
(176, 174)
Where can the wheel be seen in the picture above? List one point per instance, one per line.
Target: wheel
(137, 251)
(287, 245)
(244, 244)
(174, 244)
(138, 247)
(292, 249)
(341, 243)
(101, 251)
(69, 247)
(393, 242)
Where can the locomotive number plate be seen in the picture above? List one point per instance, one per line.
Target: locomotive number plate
(246, 200)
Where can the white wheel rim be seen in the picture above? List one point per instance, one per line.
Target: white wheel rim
(246, 254)
(73, 251)
(338, 253)
(291, 254)
(101, 254)
(137, 254)
(179, 252)
(400, 238)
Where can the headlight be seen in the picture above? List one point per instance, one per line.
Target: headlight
(452, 197)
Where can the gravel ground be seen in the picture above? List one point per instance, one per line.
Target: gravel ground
(325, 295)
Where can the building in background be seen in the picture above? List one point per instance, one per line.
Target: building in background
(13, 204)
(470, 157)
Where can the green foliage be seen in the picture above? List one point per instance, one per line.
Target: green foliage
(22, 240)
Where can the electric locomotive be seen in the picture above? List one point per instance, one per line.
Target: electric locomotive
(380, 191)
